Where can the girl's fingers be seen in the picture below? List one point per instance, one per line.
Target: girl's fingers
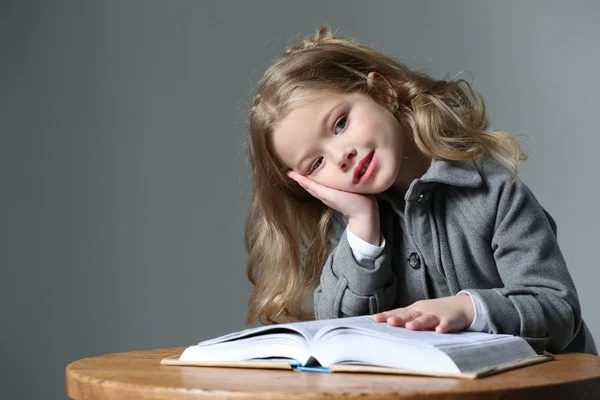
(317, 190)
(294, 175)
(316, 195)
(301, 179)
(323, 193)
(309, 191)
(402, 318)
(425, 321)
(308, 188)
(383, 316)
(379, 317)
(444, 326)
(347, 203)
(304, 181)
(398, 313)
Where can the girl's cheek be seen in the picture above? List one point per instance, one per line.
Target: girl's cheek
(327, 179)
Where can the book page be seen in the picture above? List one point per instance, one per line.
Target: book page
(306, 329)
(291, 345)
(489, 354)
(366, 325)
(364, 341)
(290, 341)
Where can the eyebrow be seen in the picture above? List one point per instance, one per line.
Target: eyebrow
(322, 124)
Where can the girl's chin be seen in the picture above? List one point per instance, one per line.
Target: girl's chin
(383, 184)
(373, 189)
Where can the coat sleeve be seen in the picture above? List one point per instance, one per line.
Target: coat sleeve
(348, 289)
(539, 300)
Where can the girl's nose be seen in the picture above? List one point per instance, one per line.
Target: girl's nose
(346, 158)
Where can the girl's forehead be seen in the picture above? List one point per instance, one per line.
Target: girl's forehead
(306, 108)
(312, 102)
(314, 98)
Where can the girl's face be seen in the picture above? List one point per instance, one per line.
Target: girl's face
(344, 141)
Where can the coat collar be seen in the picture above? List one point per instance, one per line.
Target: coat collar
(455, 173)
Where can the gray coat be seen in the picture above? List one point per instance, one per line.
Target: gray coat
(472, 230)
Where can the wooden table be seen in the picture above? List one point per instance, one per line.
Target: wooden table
(138, 375)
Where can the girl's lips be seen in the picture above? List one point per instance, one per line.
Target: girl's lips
(370, 170)
(365, 162)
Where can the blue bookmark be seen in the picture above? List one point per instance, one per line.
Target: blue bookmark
(312, 369)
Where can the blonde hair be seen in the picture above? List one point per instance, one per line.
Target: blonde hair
(286, 229)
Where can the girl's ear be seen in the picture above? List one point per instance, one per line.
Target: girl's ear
(381, 85)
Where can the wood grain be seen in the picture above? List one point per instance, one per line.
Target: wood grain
(139, 375)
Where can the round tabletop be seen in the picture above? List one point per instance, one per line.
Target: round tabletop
(139, 375)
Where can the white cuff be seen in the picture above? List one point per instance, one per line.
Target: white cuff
(364, 252)
(480, 317)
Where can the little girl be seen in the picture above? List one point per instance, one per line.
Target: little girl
(385, 192)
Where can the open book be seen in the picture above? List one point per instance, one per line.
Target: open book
(358, 344)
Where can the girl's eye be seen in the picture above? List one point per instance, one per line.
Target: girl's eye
(315, 165)
(340, 123)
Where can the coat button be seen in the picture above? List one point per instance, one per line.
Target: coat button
(414, 261)
(423, 197)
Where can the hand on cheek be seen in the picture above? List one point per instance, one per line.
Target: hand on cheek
(447, 314)
(352, 205)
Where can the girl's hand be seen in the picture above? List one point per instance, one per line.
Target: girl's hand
(352, 205)
(361, 209)
(447, 314)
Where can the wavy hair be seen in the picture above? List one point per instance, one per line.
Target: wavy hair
(286, 232)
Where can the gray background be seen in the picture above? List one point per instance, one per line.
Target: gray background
(124, 183)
